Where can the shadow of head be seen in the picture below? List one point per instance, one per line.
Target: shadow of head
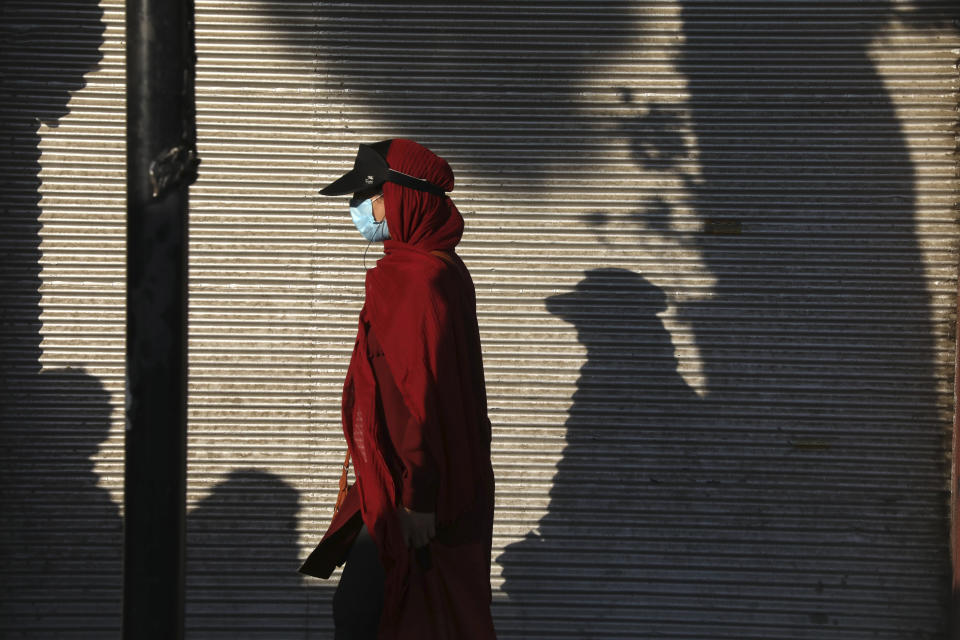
(242, 555)
(249, 508)
(47, 47)
(616, 314)
(607, 298)
(57, 419)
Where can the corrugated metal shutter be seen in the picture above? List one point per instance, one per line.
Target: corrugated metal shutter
(61, 317)
(715, 258)
(714, 248)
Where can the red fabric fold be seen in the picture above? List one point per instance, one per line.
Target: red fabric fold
(411, 460)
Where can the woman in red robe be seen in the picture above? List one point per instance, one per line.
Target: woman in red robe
(415, 529)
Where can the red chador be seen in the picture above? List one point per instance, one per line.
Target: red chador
(415, 416)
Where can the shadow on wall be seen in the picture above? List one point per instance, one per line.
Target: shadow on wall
(60, 534)
(242, 559)
(496, 78)
(626, 494)
(804, 495)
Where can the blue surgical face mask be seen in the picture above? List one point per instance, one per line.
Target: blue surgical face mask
(362, 213)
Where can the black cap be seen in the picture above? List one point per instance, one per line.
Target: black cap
(370, 170)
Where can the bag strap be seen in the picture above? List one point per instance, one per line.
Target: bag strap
(342, 494)
(443, 255)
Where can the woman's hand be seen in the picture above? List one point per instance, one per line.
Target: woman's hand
(418, 528)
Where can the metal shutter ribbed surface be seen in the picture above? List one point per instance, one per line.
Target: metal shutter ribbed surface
(715, 253)
(62, 194)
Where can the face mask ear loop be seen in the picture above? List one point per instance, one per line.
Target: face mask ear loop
(366, 248)
(370, 242)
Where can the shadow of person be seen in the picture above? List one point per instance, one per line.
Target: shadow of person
(242, 560)
(629, 459)
(61, 533)
(60, 572)
(817, 503)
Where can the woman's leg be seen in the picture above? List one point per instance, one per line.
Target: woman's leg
(358, 600)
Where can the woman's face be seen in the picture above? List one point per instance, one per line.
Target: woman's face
(376, 196)
(379, 209)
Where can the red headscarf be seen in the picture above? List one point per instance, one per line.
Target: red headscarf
(416, 218)
(422, 308)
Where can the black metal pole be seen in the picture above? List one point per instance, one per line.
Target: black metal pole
(161, 163)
